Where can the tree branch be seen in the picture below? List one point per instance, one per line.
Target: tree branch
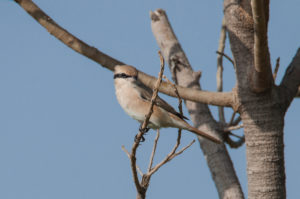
(207, 97)
(231, 128)
(171, 155)
(220, 68)
(153, 150)
(143, 185)
(276, 68)
(67, 38)
(129, 156)
(227, 57)
(261, 78)
(291, 80)
(213, 98)
(217, 156)
(235, 144)
(142, 189)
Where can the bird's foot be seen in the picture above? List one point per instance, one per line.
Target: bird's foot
(142, 139)
(143, 130)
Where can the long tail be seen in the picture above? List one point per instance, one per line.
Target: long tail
(180, 123)
(201, 133)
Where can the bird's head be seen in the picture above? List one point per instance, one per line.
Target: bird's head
(125, 72)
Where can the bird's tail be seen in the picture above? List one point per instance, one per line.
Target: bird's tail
(201, 133)
(180, 123)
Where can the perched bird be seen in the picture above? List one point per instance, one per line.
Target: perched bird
(134, 97)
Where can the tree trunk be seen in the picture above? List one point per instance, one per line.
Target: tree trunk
(263, 126)
(262, 114)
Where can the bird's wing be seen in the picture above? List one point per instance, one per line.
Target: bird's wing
(146, 94)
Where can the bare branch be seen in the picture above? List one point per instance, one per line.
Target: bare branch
(171, 155)
(226, 56)
(214, 98)
(291, 81)
(236, 121)
(128, 154)
(232, 128)
(153, 151)
(142, 190)
(232, 118)
(276, 68)
(207, 97)
(261, 75)
(220, 68)
(67, 38)
(177, 93)
(235, 144)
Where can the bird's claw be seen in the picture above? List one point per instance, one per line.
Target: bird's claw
(143, 130)
(142, 139)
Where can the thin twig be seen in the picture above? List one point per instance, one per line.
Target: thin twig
(177, 94)
(231, 128)
(128, 154)
(169, 157)
(232, 118)
(236, 121)
(153, 150)
(227, 57)
(220, 68)
(235, 144)
(276, 68)
(234, 135)
(173, 153)
(139, 136)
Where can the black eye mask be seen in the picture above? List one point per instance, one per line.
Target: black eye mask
(123, 75)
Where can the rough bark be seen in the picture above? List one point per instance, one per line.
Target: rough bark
(217, 157)
(263, 119)
(262, 114)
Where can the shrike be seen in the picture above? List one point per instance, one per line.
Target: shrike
(134, 97)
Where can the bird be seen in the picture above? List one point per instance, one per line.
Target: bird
(135, 99)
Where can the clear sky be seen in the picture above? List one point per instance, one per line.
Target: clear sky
(61, 128)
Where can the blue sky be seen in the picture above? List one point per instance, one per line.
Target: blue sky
(61, 128)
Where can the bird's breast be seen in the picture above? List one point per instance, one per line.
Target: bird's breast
(130, 101)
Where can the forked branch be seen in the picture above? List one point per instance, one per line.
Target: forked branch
(143, 185)
(140, 189)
